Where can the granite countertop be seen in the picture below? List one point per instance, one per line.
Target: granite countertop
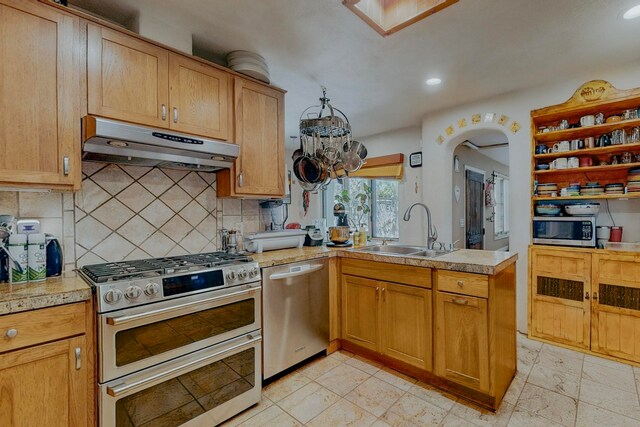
(465, 260)
(34, 295)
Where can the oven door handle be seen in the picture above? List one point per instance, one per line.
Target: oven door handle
(313, 268)
(121, 320)
(124, 388)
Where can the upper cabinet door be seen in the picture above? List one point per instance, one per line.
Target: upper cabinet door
(127, 78)
(260, 134)
(199, 98)
(39, 96)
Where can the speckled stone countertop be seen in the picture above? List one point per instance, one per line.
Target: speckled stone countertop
(465, 260)
(34, 295)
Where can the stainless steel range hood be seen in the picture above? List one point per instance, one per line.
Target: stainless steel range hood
(113, 141)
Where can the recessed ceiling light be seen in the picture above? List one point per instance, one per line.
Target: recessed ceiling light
(434, 81)
(632, 13)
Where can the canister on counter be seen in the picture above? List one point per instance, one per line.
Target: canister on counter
(18, 267)
(37, 257)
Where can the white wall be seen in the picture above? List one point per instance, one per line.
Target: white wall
(405, 141)
(516, 105)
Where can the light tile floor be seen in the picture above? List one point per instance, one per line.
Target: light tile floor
(553, 387)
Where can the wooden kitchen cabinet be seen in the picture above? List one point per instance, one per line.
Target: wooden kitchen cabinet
(40, 96)
(127, 78)
(462, 340)
(391, 319)
(47, 367)
(259, 130)
(560, 288)
(198, 98)
(615, 319)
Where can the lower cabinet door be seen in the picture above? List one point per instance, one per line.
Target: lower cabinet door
(406, 324)
(360, 311)
(45, 385)
(462, 340)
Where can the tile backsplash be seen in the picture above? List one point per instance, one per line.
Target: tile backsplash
(130, 212)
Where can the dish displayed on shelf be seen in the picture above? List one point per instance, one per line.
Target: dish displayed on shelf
(249, 63)
(548, 209)
(582, 209)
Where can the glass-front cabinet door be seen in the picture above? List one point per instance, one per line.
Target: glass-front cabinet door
(560, 286)
(616, 306)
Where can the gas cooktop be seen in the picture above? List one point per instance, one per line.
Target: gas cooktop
(147, 268)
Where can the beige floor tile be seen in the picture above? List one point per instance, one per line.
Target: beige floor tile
(343, 413)
(513, 393)
(249, 413)
(365, 365)
(380, 423)
(283, 387)
(374, 396)
(319, 367)
(526, 342)
(342, 355)
(557, 358)
(592, 416)
(611, 398)
(414, 411)
(524, 418)
(612, 375)
(272, 416)
(342, 379)
(395, 378)
(555, 380)
(561, 351)
(454, 421)
(588, 358)
(548, 404)
(482, 417)
(430, 394)
(309, 401)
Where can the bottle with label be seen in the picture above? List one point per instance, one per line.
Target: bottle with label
(37, 257)
(18, 272)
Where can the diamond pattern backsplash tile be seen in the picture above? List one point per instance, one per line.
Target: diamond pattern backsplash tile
(129, 212)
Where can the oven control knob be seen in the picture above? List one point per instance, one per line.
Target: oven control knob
(112, 296)
(151, 289)
(132, 292)
(231, 276)
(242, 274)
(254, 272)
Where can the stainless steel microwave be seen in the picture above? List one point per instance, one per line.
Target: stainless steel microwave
(565, 231)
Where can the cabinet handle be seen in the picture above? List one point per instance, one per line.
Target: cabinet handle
(11, 333)
(78, 359)
(384, 294)
(586, 296)
(65, 165)
(164, 112)
(240, 180)
(460, 301)
(175, 114)
(595, 296)
(377, 294)
(460, 283)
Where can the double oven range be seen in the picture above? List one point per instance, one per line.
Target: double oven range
(178, 339)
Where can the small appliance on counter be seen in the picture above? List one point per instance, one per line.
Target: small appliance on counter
(565, 231)
(54, 256)
(273, 240)
(314, 236)
(339, 237)
(340, 212)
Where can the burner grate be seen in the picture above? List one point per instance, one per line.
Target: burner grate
(112, 271)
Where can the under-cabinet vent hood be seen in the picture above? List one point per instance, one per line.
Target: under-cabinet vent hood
(113, 141)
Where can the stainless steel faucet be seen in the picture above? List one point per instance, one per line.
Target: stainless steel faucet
(432, 233)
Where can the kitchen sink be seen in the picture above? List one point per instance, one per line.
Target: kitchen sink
(420, 251)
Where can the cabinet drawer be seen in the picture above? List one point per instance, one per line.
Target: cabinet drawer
(39, 326)
(463, 283)
(395, 273)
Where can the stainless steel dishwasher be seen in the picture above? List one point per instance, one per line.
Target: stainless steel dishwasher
(295, 313)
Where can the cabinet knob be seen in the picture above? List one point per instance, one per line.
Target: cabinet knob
(460, 283)
(384, 294)
(460, 301)
(164, 112)
(65, 165)
(175, 115)
(595, 296)
(11, 333)
(586, 296)
(377, 294)
(240, 180)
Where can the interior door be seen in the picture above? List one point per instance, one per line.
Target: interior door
(474, 197)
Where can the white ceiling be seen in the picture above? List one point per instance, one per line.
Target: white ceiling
(480, 48)
(490, 137)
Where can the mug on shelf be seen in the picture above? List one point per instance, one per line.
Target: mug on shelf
(590, 142)
(564, 124)
(589, 120)
(585, 162)
(600, 118)
(541, 149)
(576, 144)
(630, 114)
(562, 146)
(573, 162)
(559, 163)
(604, 140)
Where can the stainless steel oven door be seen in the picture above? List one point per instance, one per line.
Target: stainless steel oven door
(136, 338)
(202, 388)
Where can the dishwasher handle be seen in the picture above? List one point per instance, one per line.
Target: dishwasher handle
(295, 273)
